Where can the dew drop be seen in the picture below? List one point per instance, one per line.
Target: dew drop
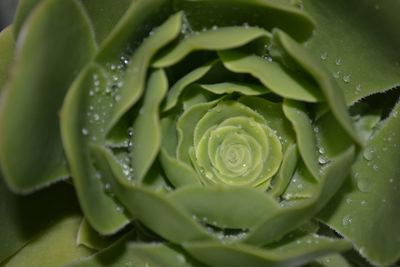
(300, 186)
(391, 180)
(322, 159)
(375, 167)
(119, 209)
(96, 117)
(364, 185)
(324, 56)
(339, 62)
(107, 187)
(181, 259)
(369, 153)
(347, 220)
(347, 78)
(363, 202)
(85, 131)
(209, 175)
(348, 200)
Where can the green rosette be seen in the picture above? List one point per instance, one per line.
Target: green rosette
(190, 138)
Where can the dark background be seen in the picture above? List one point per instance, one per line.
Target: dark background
(7, 10)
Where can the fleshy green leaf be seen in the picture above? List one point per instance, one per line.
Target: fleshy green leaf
(293, 215)
(132, 254)
(83, 119)
(147, 126)
(7, 53)
(306, 140)
(294, 253)
(370, 205)
(356, 41)
(175, 91)
(272, 75)
(176, 225)
(326, 83)
(218, 39)
(55, 247)
(30, 144)
(88, 237)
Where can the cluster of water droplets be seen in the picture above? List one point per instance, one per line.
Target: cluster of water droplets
(340, 75)
(322, 157)
(103, 94)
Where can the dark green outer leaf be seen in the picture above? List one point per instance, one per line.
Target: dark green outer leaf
(358, 41)
(7, 53)
(55, 247)
(30, 144)
(266, 14)
(24, 9)
(104, 15)
(25, 217)
(367, 213)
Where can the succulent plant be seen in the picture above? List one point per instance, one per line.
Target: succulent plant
(200, 133)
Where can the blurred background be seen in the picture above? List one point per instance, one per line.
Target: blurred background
(7, 10)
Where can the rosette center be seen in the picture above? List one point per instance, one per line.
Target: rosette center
(233, 145)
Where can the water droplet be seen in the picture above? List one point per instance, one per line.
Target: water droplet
(181, 259)
(375, 167)
(322, 159)
(117, 98)
(214, 28)
(365, 185)
(321, 150)
(337, 74)
(96, 117)
(376, 6)
(369, 153)
(339, 62)
(85, 131)
(347, 78)
(358, 88)
(300, 186)
(246, 25)
(348, 200)
(209, 175)
(391, 180)
(119, 209)
(347, 220)
(91, 93)
(383, 200)
(363, 202)
(324, 56)
(107, 187)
